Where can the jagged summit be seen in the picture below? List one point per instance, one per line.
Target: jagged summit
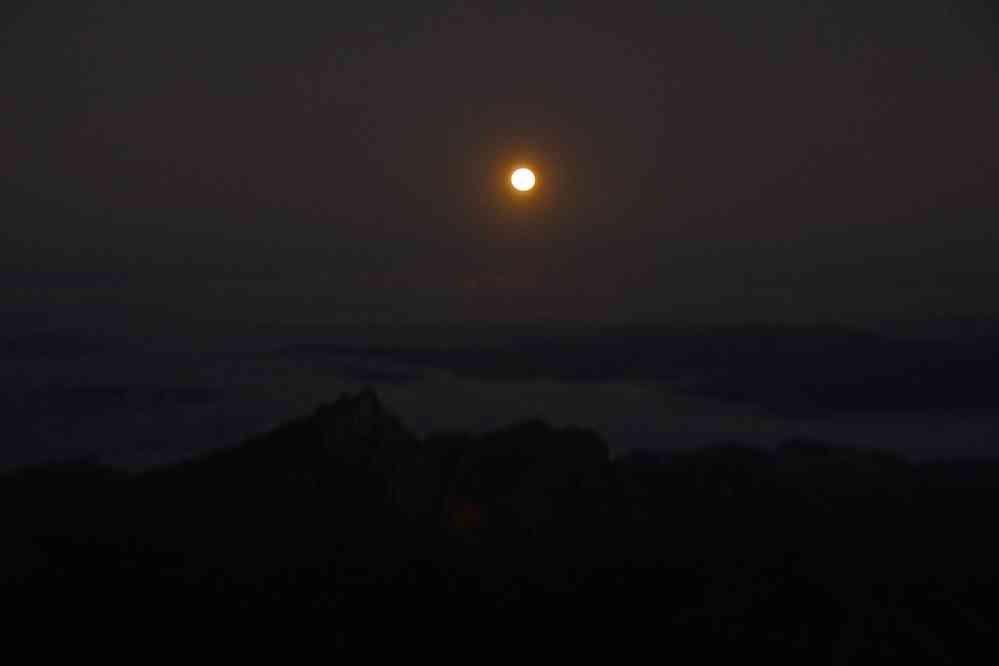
(365, 400)
(360, 418)
(354, 450)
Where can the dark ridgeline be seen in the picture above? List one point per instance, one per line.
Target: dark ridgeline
(810, 553)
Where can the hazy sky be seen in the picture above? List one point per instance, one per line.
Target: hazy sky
(719, 161)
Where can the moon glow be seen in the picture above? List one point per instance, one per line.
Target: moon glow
(522, 179)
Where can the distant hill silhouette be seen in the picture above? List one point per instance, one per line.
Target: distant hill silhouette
(788, 370)
(810, 553)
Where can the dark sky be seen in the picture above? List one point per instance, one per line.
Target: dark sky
(710, 161)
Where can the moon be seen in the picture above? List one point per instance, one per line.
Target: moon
(522, 179)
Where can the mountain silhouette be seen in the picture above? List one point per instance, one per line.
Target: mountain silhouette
(809, 551)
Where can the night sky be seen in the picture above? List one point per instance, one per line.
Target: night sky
(348, 162)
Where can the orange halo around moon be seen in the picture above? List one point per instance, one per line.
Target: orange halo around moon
(522, 179)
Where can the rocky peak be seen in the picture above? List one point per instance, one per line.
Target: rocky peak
(357, 430)
(360, 419)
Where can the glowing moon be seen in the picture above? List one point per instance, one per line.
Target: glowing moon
(522, 179)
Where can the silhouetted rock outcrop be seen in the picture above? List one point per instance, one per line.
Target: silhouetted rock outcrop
(804, 552)
(358, 432)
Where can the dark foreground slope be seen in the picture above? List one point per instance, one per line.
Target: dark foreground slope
(808, 553)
